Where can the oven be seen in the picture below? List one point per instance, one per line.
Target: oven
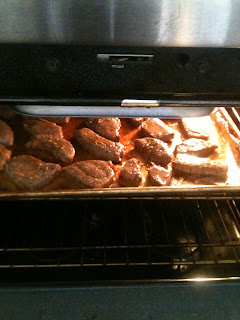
(76, 241)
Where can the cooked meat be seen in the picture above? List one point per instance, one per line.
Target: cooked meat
(159, 176)
(196, 147)
(203, 180)
(30, 173)
(136, 122)
(154, 150)
(189, 129)
(6, 134)
(57, 120)
(186, 165)
(7, 113)
(41, 126)
(90, 174)
(155, 128)
(48, 148)
(130, 175)
(5, 156)
(105, 127)
(99, 147)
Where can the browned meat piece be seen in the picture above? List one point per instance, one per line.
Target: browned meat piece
(154, 150)
(48, 148)
(105, 127)
(6, 134)
(136, 122)
(41, 126)
(186, 165)
(57, 120)
(159, 176)
(5, 156)
(90, 174)
(130, 175)
(98, 146)
(30, 173)
(196, 147)
(156, 128)
(203, 180)
(189, 130)
(7, 113)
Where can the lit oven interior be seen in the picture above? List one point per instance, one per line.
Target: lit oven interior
(105, 225)
(118, 154)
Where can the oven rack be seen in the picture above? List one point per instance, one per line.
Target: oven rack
(176, 234)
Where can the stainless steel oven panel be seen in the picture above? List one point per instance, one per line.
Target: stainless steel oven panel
(182, 23)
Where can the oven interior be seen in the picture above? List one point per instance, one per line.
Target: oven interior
(128, 235)
(66, 241)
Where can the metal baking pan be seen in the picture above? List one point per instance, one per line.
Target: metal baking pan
(230, 136)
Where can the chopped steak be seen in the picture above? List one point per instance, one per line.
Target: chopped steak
(136, 122)
(5, 156)
(99, 147)
(156, 128)
(159, 176)
(196, 147)
(203, 180)
(154, 150)
(6, 134)
(7, 113)
(30, 173)
(41, 126)
(90, 174)
(130, 175)
(48, 148)
(105, 127)
(189, 130)
(186, 165)
(57, 120)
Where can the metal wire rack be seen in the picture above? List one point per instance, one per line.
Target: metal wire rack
(176, 234)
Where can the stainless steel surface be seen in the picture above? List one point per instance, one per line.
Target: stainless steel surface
(122, 22)
(127, 110)
(149, 193)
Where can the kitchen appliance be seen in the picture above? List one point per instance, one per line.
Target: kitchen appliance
(145, 253)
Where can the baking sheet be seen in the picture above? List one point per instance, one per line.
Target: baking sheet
(219, 126)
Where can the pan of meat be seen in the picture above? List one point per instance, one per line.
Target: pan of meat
(83, 157)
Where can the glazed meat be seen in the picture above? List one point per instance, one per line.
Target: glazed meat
(7, 113)
(189, 130)
(41, 126)
(186, 165)
(90, 174)
(136, 122)
(154, 150)
(99, 147)
(105, 127)
(30, 173)
(5, 156)
(48, 148)
(159, 176)
(130, 175)
(155, 128)
(196, 147)
(6, 135)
